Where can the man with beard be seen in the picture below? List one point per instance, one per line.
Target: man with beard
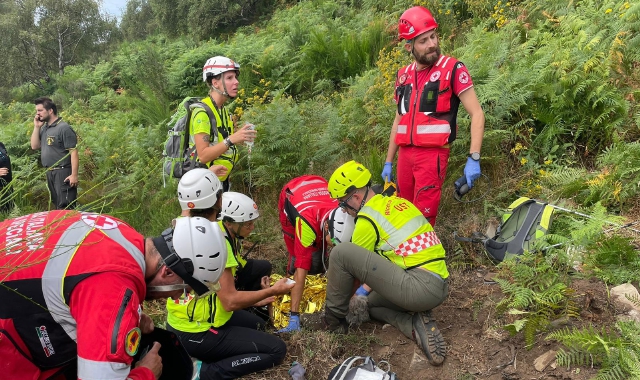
(428, 93)
(72, 286)
(58, 142)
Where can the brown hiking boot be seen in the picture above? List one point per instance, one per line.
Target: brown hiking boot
(428, 338)
(326, 321)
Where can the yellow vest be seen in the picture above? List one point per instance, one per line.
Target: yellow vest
(234, 245)
(188, 314)
(223, 122)
(394, 228)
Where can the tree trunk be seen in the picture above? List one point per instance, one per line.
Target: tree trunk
(60, 54)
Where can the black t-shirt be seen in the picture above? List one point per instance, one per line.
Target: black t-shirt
(55, 140)
(5, 162)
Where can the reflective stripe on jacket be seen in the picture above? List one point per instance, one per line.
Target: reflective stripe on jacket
(307, 205)
(43, 258)
(428, 110)
(404, 236)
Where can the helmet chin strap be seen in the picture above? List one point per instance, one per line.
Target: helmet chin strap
(215, 89)
(364, 198)
(224, 88)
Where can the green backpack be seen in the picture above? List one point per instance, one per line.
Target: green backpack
(178, 156)
(525, 221)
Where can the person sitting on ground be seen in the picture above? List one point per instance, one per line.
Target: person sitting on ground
(237, 220)
(200, 194)
(397, 257)
(216, 330)
(305, 206)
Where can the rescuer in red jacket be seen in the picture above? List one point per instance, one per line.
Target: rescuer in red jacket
(72, 284)
(308, 217)
(428, 94)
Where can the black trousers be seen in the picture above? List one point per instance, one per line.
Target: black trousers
(63, 196)
(248, 279)
(234, 350)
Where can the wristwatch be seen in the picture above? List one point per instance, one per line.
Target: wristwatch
(475, 156)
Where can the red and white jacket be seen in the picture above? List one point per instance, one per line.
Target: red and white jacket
(72, 288)
(428, 102)
(304, 204)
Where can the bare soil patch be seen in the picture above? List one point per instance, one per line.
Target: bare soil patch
(478, 346)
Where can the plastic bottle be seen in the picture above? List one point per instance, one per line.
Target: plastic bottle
(249, 144)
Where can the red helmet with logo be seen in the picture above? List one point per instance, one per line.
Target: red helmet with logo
(415, 21)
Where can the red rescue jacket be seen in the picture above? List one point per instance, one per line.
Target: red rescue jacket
(429, 107)
(43, 258)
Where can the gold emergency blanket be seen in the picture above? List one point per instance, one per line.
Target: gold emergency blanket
(313, 298)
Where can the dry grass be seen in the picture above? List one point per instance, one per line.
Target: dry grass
(318, 352)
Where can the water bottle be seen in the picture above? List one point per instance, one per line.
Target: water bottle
(249, 144)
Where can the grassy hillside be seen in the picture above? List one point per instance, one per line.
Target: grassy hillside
(559, 82)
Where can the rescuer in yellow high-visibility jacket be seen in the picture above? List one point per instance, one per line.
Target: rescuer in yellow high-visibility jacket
(397, 257)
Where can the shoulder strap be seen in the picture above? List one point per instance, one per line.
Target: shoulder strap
(222, 129)
(234, 247)
(346, 366)
(375, 228)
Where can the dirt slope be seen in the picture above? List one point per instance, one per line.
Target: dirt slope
(479, 348)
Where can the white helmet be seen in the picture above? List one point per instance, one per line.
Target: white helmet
(198, 189)
(196, 250)
(341, 225)
(238, 208)
(218, 65)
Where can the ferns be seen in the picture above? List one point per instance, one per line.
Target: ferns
(614, 260)
(535, 294)
(617, 354)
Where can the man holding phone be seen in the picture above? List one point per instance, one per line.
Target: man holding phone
(57, 140)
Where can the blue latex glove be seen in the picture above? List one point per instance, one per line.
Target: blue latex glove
(472, 171)
(386, 172)
(294, 325)
(362, 291)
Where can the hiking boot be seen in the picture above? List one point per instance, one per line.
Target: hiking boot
(428, 337)
(326, 321)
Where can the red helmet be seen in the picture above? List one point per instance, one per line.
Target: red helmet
(415, 21)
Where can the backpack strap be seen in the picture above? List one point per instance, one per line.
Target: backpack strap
(222, 129)
(346, 366)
